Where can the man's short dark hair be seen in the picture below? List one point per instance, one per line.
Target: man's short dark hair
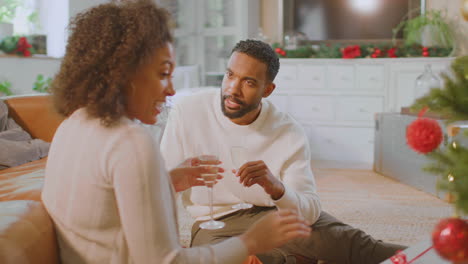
(262, 52)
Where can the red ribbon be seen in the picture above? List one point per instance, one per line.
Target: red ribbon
(423, 111)
(400, 257)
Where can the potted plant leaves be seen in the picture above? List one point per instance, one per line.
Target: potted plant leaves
(428, 29)
(5, 88)
(42, 84)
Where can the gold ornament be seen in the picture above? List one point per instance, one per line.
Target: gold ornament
(464, 9)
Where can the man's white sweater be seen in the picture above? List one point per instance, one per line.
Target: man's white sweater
(197, 126)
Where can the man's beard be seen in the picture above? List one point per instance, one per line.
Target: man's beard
(243, 110)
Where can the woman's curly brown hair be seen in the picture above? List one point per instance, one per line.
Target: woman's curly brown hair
(107, 45)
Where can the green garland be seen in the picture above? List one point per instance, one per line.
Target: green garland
(451, 162)
(365, 51)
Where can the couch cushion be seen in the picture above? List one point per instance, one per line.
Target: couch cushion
(23, 182)
(26, 234)
(35, 114)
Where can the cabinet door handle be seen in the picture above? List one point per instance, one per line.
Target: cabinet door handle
(362, 110)
(373, 79)
(315, 109)
(344, 78)
(316, 78)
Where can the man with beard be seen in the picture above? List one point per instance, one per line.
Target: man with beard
(277, 173)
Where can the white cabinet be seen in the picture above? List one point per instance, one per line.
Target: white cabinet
(402, 79)
(336, 100)
(207, 30)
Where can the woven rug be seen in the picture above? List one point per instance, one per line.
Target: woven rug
(382, 207)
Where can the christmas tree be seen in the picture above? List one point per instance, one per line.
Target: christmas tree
(450, 162)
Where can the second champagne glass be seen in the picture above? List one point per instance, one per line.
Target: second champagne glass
(210, 179)
(239, 157)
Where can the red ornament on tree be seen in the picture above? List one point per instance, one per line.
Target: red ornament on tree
(424, 135)
(450, 239)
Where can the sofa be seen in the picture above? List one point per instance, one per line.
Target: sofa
(26, 231)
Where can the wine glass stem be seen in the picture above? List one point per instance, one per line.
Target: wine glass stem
(210, 189)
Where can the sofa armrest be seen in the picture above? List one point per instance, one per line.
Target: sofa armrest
(27, 234)
(35, 114)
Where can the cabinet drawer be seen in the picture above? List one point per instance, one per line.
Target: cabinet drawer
(341, 143)
(370, 77)
(311, 77)
(280, 101)
(286, 77)
(306, 107)
(341, 77)
(358, 108)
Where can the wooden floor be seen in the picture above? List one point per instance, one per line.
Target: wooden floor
(382, 207)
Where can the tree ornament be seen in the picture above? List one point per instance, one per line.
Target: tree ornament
(424, 135)
(450, 239)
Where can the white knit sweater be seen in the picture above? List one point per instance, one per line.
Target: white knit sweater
(111, 199)
(197, 126)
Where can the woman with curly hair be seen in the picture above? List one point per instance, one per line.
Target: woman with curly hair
(106, 188)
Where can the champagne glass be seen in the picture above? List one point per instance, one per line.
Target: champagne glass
(239, 158)
(210, 178)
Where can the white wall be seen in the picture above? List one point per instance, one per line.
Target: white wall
(54, 19)
(22, 72)
(77, 6)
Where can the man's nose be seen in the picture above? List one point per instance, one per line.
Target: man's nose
(234, 86)
(170, 89)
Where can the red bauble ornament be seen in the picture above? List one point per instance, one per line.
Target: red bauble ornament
(424, 135)
(425, 54)
(450, 239)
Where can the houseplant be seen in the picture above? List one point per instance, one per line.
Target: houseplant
(42, 84)
(5, 88)
(428, 29)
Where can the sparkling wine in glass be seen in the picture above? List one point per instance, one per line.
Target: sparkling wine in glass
(239, 157)
(210, 178)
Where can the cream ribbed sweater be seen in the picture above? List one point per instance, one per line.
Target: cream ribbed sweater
(111, 199)
(197, 126)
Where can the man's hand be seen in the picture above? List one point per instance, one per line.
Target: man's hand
(188, 173)
(257, 172)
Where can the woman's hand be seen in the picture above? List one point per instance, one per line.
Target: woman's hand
(275, 229)
(188, 173)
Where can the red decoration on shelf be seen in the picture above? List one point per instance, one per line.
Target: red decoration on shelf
(280, 51)
(351, 52)
(391, 53)
(425, 51)
(450, 239)
(377, 53)
(23, 47)
(424, 135)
